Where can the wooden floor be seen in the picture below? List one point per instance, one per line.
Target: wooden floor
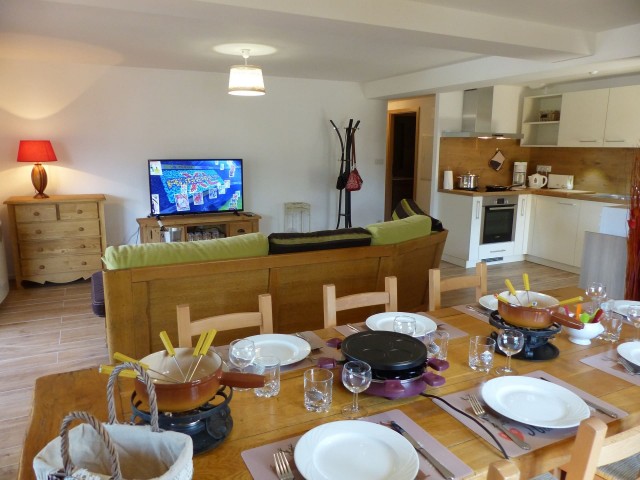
(52, 329)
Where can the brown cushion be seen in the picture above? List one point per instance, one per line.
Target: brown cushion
(320, 240)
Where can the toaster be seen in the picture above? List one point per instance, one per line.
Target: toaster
(560, 181)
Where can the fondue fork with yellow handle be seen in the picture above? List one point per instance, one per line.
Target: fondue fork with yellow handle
(108, 369)
(202, 347)
(525, 279)
(512, 290)
(166, 341)
(121, 357)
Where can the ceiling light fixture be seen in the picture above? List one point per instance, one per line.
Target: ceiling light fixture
(246, 80)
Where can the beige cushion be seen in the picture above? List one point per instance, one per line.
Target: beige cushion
(152, 254)
(397, 231)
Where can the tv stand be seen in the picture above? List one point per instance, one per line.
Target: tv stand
(182, 228)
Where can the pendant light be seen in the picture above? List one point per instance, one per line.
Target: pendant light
(246, 80)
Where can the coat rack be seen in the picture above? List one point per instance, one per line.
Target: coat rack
(345, 170)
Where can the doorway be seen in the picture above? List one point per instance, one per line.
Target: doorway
(402, 149)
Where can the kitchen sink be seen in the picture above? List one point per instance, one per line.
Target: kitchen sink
(613, 196)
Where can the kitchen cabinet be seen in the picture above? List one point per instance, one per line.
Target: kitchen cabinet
(557, 230)
(57, 239)
(187, 226)
(583, 118)
(622, 127)
(541, 120)
(521, 238)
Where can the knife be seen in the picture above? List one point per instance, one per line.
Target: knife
(444, 471)
(597, 408)
(495, 421)
(479, 310)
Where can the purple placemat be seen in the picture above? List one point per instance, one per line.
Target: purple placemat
(608, 362)
(536, 437)
(473, 313)
(310, 361)
(259, 460)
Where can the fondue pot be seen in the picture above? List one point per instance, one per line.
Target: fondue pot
(187, 395)
(535, 310)
(398, 362)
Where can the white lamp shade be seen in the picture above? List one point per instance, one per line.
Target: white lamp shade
(246, 80)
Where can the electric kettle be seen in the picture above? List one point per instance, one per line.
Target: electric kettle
(537, 181)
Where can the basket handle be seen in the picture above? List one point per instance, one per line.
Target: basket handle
(116, 473)
(151, 391)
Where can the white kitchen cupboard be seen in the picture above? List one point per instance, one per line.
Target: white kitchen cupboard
(521, 239)
(461, 215)
(583, 118)
(622, 127)
(557, 230)
(537, 131)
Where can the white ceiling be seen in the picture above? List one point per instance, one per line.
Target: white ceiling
(393, 47)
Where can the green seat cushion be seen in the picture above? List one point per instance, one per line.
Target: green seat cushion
(153, 254)
(408, 207)
(397, 231)
(320, 240)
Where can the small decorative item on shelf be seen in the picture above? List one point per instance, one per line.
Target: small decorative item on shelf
(549, 115)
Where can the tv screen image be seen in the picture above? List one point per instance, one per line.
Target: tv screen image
(179, 187)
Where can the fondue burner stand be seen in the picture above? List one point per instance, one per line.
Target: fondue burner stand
(207, 425)
(536, 340)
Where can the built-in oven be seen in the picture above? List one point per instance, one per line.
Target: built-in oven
(498, 219)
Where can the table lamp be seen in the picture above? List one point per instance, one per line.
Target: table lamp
(37, 151)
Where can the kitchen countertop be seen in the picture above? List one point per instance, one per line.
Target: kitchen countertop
(557, 192)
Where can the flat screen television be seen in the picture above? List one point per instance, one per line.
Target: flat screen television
(183, 187)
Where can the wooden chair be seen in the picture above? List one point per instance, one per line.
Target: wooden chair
(333, 305)
(503, 470)
(438, 285)
(593, 455)
(229, 321)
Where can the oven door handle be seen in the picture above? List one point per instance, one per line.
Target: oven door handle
(494, 209)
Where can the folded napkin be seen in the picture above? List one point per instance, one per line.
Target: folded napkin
(259, 460)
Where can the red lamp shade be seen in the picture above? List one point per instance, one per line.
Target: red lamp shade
(37, 151)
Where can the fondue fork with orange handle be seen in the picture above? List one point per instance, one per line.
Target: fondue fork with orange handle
(202, 350)
(166, 341)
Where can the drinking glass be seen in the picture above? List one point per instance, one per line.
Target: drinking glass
(437, 343)
(596, 292)
(510, 341)
(633, 314)
(318, 389)
(404, 324)
(356, 376)
(611, 322)
(269, 367)
(242, 352)
(481, 353)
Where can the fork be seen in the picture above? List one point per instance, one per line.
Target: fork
(283, 469)
(633, 370)
(480, 412)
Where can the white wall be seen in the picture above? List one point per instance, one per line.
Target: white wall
(105, 122)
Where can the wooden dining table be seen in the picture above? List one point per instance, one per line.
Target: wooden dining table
(261, 421)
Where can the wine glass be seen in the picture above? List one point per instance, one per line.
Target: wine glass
(510, 341)
(242, 352)
(596, 292)
(633, 314)
(356, 377)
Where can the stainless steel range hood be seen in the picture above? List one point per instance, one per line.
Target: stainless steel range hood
(477, 116)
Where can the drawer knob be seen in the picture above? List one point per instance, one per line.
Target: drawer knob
(40, 249)
(36, 214)
(84, 263)
(79, 212)
(83, 246)
(81, 229)
(38, 231)
(41, 267)
(241, 230)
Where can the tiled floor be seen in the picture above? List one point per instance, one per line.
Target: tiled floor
(52, 329)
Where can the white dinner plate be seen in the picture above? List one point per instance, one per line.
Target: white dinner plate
(288, 348)
(355, 450)
(535, 402)
(621, 306)
(384, 321)
(489, 301)
(630, 351)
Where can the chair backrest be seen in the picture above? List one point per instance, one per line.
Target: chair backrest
(333, 305)
(438, 285)
(503, 470)
(592, 449)
(263, 318)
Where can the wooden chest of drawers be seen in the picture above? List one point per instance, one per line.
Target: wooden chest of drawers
(57, 239)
